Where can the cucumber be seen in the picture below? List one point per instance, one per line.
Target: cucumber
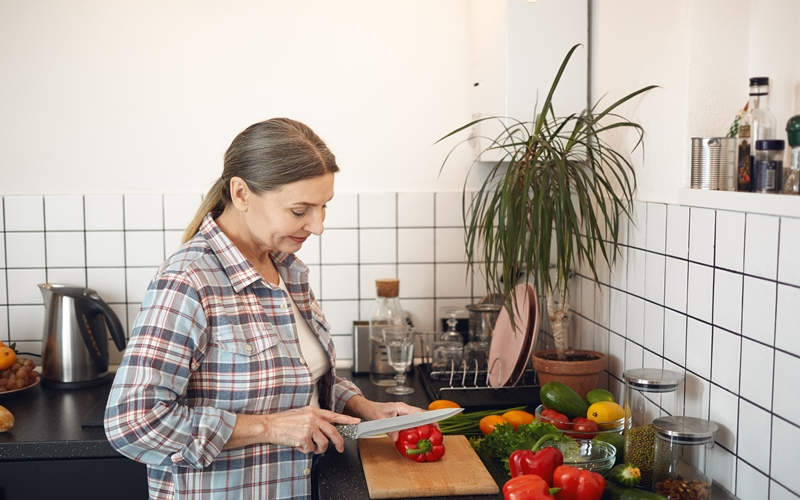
(616, 492)
(625, 475)
(616, 439)
(563, 399)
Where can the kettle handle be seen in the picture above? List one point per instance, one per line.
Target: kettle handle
(114, 325)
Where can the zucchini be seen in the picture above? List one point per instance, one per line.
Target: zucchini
(625, 475)
(563, 399)
(614, 491)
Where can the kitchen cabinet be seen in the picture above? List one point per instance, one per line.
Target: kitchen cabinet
(48, 454)
(516, 48)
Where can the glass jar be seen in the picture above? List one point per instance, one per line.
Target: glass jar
(386, 312)
(768, 166)
(684, 454)
(649, 392)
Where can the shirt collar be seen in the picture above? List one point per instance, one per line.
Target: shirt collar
(240, 271)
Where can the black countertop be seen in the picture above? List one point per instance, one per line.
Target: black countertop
(48, 427)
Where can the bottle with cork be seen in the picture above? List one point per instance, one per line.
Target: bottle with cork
(387, 311)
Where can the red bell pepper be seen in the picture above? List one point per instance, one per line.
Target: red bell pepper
(421, 444)
(535, 461)
(583, 424)
(530, 487)
(578, 484)
(557, 419)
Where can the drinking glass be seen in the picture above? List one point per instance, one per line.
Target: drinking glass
(400, 348)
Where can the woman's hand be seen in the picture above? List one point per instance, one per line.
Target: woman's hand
(372, 410)
(306, 429)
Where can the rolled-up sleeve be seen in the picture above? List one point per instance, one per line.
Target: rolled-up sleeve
(144, 418)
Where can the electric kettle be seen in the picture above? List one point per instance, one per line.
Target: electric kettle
(75, 350)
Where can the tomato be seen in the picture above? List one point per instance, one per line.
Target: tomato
(582, 424)
(518, 417)
(488, 422)
(556, 419)
(440, 404)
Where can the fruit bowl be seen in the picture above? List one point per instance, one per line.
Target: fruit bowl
(596, 456)
(568, 428)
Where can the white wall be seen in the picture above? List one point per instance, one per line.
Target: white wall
(106, 96)
(701, 53)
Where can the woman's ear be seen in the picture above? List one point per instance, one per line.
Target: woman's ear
(240, 193)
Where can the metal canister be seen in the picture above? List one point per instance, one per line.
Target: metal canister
(714, 163)
(481, 320)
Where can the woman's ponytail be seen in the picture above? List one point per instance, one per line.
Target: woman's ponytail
(213, 202)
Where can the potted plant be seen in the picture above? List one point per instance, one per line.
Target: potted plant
(548, 205)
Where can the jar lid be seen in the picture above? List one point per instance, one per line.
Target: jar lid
(685, 430)
(770, 144)
(653, 379)
(387, 287)
(759, 80)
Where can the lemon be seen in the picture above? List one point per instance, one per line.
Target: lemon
(605, 411)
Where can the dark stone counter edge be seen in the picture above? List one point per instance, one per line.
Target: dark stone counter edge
(55, 450)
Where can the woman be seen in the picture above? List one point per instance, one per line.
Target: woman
(227, 388)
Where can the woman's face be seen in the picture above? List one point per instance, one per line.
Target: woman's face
(283, 219)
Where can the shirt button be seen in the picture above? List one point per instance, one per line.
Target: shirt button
(306, 471)
(284, 306)
(248, 347)
(302, 361)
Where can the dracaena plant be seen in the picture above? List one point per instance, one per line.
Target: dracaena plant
(554, 197)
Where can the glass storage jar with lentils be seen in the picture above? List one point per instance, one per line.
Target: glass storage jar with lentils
(684, 454)
(649, 393)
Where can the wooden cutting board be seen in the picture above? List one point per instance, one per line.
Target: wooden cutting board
(390, 475)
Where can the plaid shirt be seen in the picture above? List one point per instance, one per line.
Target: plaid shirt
(212, 339)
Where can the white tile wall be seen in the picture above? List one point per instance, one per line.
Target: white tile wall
(731, 288)
(713, 293)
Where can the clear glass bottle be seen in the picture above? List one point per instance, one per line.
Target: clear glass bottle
(684, 454)
(791, 185)
(768, 166)
(649, 392)
(387, 311)
(757, 123)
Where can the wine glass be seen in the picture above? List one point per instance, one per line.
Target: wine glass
(451, 335)
(400, 347)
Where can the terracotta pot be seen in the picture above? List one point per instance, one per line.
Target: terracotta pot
(581, 376)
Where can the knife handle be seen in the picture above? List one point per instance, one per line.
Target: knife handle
(347, 430)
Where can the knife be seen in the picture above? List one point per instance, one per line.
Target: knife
(384, 425)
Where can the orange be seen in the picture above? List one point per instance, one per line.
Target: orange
(518, 417)
(488, 423)
(440, 404)
(7, 358)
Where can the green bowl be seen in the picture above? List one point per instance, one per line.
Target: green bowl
(596, 456)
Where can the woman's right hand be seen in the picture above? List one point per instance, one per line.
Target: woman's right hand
(306, 429)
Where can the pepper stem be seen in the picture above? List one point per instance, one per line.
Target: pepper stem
(423, 446)
(542, 440)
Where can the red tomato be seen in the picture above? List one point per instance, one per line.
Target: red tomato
(583, 424)
(556, 419)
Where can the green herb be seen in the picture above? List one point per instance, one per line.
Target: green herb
(504, 440)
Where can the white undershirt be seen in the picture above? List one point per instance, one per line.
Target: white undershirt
(316, 359)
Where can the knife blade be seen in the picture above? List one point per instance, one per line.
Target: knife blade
(384, 425)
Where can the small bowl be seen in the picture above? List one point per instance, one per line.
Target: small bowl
(604, 427)
(596, 456)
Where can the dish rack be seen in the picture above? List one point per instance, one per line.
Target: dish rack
(469, 385)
